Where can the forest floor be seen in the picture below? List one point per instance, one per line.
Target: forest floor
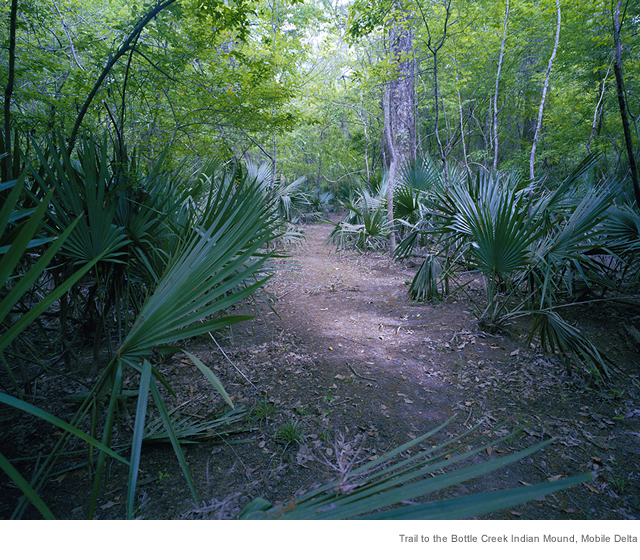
(340, 359)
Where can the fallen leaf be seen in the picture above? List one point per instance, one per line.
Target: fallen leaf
(524, 483)
(108, 505)
(516, 513)
(489, 451)
(515, 352)
(592, 488)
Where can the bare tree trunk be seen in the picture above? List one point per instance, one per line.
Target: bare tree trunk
(5, 147)
(66, 32)
(434, 47)
(392, 168)
(598, 110)
(545, 89)
(400, 130)
(464, 144)
(495, 97)
(402, 90)
(617, 69)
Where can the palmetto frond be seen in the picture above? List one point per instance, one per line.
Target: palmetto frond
(379, 489)
(527, 242)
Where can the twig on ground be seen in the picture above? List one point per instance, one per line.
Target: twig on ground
(229, 360)
(362, 376)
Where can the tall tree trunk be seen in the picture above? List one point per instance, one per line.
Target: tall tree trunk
(393, 162)
(433, 47)
(495, 97)
(366, 136)
(5, 147)
(545, 89)
(597, 113)
(617, 69)
(436, 126)
(400, 127)
(464, 144)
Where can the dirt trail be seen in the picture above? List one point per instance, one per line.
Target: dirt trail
(354, 311)
(344, 355)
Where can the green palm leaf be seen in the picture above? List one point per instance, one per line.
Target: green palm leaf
(368, 491)
(25, 487)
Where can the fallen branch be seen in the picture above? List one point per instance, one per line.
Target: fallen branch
(362, 376)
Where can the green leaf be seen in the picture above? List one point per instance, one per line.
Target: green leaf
(173, 437)
(39, 413)
(138, 436)
(25, 487)
(478, 504)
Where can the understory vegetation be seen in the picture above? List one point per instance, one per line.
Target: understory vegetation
(536, 247)
(144, 208)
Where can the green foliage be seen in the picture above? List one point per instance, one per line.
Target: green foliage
(425, 285)
(152, 247)
(380, 488)
(215, 265)
(21, 234)
(530, 246)
(366, 226)
(290, 432)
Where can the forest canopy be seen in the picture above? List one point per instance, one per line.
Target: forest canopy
(302, 83)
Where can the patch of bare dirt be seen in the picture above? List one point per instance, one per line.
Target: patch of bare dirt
(339, 357)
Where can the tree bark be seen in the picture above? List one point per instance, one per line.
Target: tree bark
(545, 89)
(5, 148)
(617, 69)
(495, 97)
(393, 162)
(400, 130)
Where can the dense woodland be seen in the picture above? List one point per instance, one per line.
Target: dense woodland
(156, 156)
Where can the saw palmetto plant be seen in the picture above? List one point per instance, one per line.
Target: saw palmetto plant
(366, 225)
(217, 262)
(531, 247)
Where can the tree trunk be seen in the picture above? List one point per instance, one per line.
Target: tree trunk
(391, 179)
(433, 47)
(545, 89)
(597, 113)
(400, 127)
(5, 147)
(495, 98)
(617, 69)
